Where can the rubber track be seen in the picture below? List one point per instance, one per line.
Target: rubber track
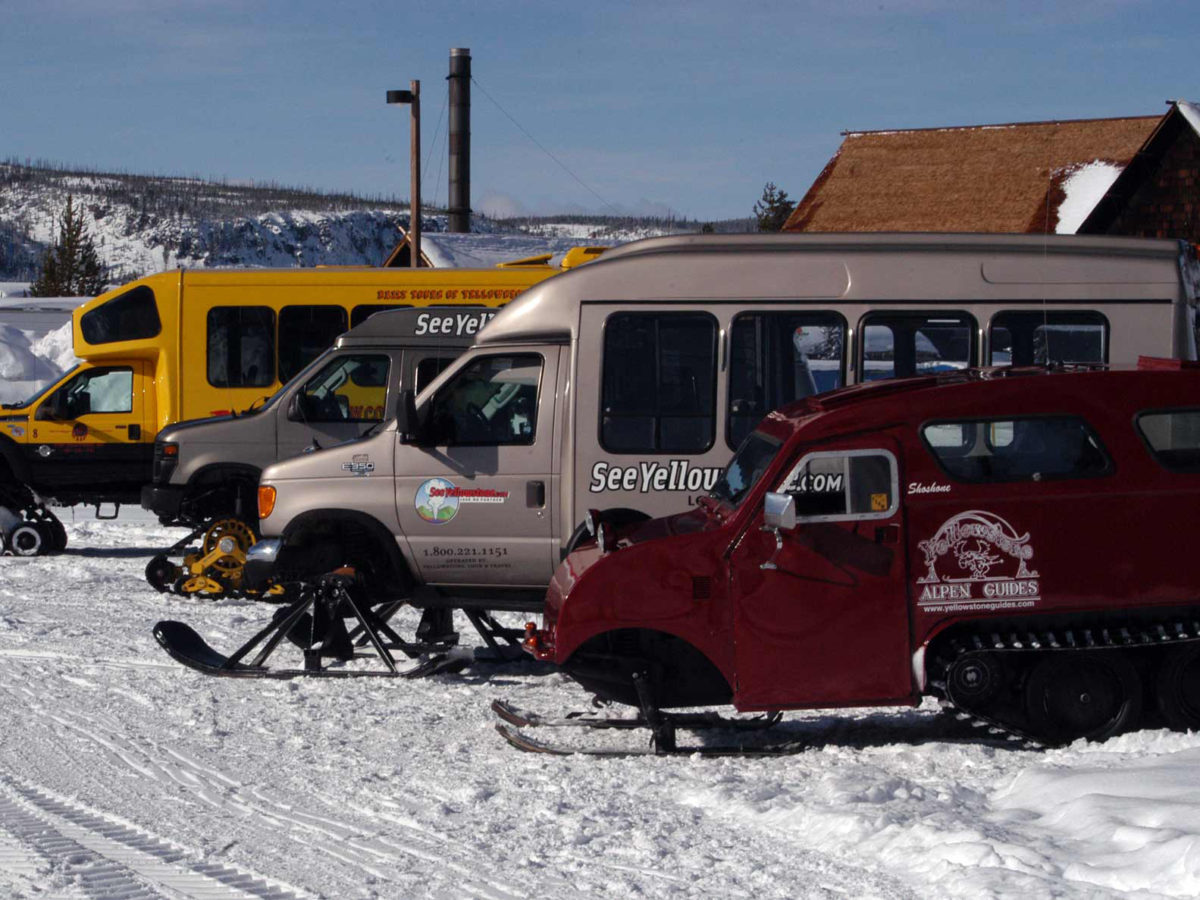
(1113, 636)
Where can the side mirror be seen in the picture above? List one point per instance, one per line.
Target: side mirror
(55, 409)
(296, 409)
(408, 425)
(779, 511)
(779, 515)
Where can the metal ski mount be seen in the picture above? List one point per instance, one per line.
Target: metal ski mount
(661, 726)
(214, 570)
(316, 623)
(27, 526)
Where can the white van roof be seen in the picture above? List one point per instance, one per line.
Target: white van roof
(772, 268)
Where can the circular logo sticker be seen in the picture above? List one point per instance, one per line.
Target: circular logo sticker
(436, 501)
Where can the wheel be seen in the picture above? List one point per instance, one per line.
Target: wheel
(233, 538)
(162, 573)
(26, 540)
(974, 679)
(1178, 688)
(1083, 695)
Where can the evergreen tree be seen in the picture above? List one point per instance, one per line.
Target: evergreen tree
(71, 268)
(773, 209)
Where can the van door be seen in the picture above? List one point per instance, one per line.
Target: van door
(340, 401)
(822, 619)
(475, 501)
(94, 431)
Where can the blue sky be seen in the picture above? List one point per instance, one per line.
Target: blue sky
(658, 108)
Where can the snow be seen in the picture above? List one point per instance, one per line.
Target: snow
(1084, 187)
(28, 361)
(178, 784)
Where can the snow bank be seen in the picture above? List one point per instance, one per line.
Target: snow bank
(29, 363)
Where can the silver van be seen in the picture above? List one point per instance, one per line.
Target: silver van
(207, 468)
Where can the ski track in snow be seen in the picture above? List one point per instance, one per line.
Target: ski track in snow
(124, 775)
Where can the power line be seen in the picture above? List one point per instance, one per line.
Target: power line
(538, 144)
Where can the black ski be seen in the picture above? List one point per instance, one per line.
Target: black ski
(522, 740)
(186, 646)
(522, 718)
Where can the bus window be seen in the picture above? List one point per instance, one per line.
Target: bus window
(305, 332)
(1032, 338)
(241, 346)
(130, 316)
(659, 383)
(898, 344)
(778, 357)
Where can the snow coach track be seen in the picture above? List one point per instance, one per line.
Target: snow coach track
(364, 849)
(108, 859)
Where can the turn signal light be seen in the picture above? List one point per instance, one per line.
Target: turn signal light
(266, 501)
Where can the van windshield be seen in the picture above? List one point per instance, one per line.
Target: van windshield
(751, 460)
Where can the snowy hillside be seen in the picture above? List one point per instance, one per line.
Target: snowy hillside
(143, 224)
(124, 775)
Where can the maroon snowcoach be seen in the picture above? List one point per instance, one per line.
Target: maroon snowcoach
(1021, 543)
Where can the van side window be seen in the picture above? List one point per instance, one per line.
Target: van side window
(659, 383)
(1173, 436)
(1032, 338)
(989, 450)
(894, 345)
(492, 401)
(364, 311)
(430, 368)
(778, 357)
(847, 484)
(305, 332)
(241, 346)
(347, 389)
(130, 316)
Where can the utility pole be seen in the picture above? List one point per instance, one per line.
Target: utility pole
(413, 98)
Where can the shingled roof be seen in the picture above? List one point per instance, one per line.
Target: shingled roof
(990, 178)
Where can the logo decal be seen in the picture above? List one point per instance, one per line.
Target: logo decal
(360, 465)
(437, 499)
(16, 430)
(916, 487)
(977, 560)
(648, 477)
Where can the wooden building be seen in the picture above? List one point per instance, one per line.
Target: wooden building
(1134, 175)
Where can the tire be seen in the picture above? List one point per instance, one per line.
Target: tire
(1092, 695)
(26, 540)
(1178, 687)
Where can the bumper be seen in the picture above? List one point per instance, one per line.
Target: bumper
(259, 568)
(164, 500)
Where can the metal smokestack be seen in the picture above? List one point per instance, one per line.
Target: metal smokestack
(460, 140)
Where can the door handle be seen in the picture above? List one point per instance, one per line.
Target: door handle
(535, 494)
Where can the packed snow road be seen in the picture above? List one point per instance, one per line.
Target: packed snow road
(124, 775)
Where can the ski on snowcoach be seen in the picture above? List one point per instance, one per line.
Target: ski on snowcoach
(339, 633)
